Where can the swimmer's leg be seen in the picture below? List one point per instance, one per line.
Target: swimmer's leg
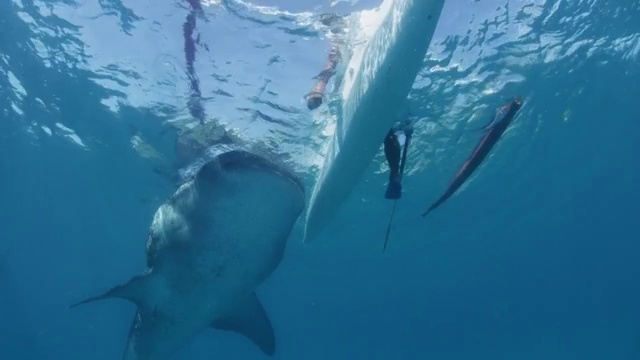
(314, 98)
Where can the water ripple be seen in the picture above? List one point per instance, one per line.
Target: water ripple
(253, 88)
(126, 17)
(471, 70)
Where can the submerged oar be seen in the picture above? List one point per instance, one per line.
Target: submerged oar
(493, 132)
(405, 148)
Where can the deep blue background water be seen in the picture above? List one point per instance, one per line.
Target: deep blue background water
(537, 258)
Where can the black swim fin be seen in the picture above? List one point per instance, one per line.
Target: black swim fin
(392, 153)
(394, 190)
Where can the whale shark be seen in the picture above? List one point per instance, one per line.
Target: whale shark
(218, 237)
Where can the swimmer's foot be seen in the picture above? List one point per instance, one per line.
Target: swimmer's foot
(394, 189)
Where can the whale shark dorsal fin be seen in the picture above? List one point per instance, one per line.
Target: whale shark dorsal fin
(251, 320)
(135, 290)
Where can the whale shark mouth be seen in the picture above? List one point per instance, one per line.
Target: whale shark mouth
(236, 159)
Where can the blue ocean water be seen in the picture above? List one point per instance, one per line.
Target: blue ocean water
(536, 258)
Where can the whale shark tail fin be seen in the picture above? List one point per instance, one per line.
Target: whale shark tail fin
(250, 320)
(135, 290)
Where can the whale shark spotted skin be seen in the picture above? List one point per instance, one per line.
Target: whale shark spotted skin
(210, 245)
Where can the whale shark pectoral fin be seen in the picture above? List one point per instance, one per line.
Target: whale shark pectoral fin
(209, 172)
(135, 290)
(251, 320)
(148, 333)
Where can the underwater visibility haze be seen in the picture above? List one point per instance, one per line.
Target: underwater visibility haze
(108, 106)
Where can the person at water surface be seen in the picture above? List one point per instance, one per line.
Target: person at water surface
(336, 25)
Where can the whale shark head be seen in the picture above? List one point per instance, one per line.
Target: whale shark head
(210, 245)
